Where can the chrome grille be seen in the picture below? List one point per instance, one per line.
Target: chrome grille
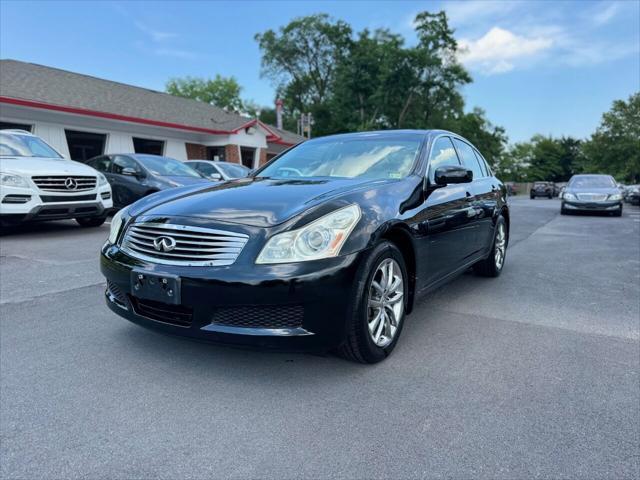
(592, 197)
(65, 183)
(195, 246)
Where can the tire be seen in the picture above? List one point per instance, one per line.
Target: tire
(618, 213)
(360, 345)
(491, 266)
(550, 196)
(87, 222)
(532, 196)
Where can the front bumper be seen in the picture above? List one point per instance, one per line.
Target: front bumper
(607, 206)
(298, 306)
(28, 204)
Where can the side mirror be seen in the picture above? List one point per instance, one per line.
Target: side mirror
(215, 176)
(132, 172)
(452, 174)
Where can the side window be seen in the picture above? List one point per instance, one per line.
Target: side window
(442, 153)
(469, 158)
(102, 164)
(482, 162)
(120, 163)
(206, 168)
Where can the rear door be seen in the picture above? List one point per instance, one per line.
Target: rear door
(126, 188)
(480, 190)
(443, 220)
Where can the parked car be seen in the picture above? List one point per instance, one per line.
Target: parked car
(632, 194)
(38, 183)
(592, 193)
(558, 187)
(219, 170)
(133, 175)
(326, 246)
(512, 188)
(541, 189)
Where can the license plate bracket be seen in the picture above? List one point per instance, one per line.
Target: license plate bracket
(159, 287)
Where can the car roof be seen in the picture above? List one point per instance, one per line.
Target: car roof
(391, 133)
(214, 162)
(17, 131)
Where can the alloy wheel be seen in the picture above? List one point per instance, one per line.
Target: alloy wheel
(386, 302)
(501, 245)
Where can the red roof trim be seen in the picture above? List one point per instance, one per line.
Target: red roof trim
(272, 137)
(110, 116)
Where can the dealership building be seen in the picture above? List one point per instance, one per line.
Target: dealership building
(83, 117)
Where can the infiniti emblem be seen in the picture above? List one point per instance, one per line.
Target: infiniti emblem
(71, 184)
(164, 244)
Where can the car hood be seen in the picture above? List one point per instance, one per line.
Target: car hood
(249, 201)
(44, 166)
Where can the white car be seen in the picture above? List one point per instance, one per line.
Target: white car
(37, 183)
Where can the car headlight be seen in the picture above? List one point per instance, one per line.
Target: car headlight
(568, 196)
(102, 180)
(615, 196)
(11, 180)
(116, 225)
(322, 238)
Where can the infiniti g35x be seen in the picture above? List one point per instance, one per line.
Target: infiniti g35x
(325, 247)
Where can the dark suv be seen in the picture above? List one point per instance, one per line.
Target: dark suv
(541, 189)
(133, 176)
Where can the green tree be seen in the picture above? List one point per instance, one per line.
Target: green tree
(488, 138)
(220, 91)
(301, 60)
(615, 146)
(513, 164)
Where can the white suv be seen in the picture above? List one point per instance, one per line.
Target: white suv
(37, 183)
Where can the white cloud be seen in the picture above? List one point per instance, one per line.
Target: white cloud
(499, 50)
(602, 16)
(461, 13)
(175, 52)
(156, 35)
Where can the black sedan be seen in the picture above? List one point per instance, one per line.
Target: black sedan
(133, 176)
(592, 193)
(541, 189)
(325, 247)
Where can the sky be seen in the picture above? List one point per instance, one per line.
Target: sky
(547, 67)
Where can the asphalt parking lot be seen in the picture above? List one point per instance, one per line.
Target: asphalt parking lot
(533, 374)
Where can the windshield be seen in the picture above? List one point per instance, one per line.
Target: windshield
(372, 156)
(595, 181)
(166, 167)
(233, 171)
(12, 145)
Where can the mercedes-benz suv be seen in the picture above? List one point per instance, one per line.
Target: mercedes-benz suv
(37, 183)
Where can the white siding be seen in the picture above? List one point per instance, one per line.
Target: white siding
(118, 142)
(175, 149)
(53, 135)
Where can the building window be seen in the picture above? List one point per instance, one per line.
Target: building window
(247, 154)
(147, 145)
(16, 126)
(85, 145)
(215, 153)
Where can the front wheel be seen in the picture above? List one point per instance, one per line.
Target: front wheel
(378, 317)
(90, 221)
(492, 265)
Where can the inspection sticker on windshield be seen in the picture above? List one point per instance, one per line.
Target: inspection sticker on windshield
(395, 175)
